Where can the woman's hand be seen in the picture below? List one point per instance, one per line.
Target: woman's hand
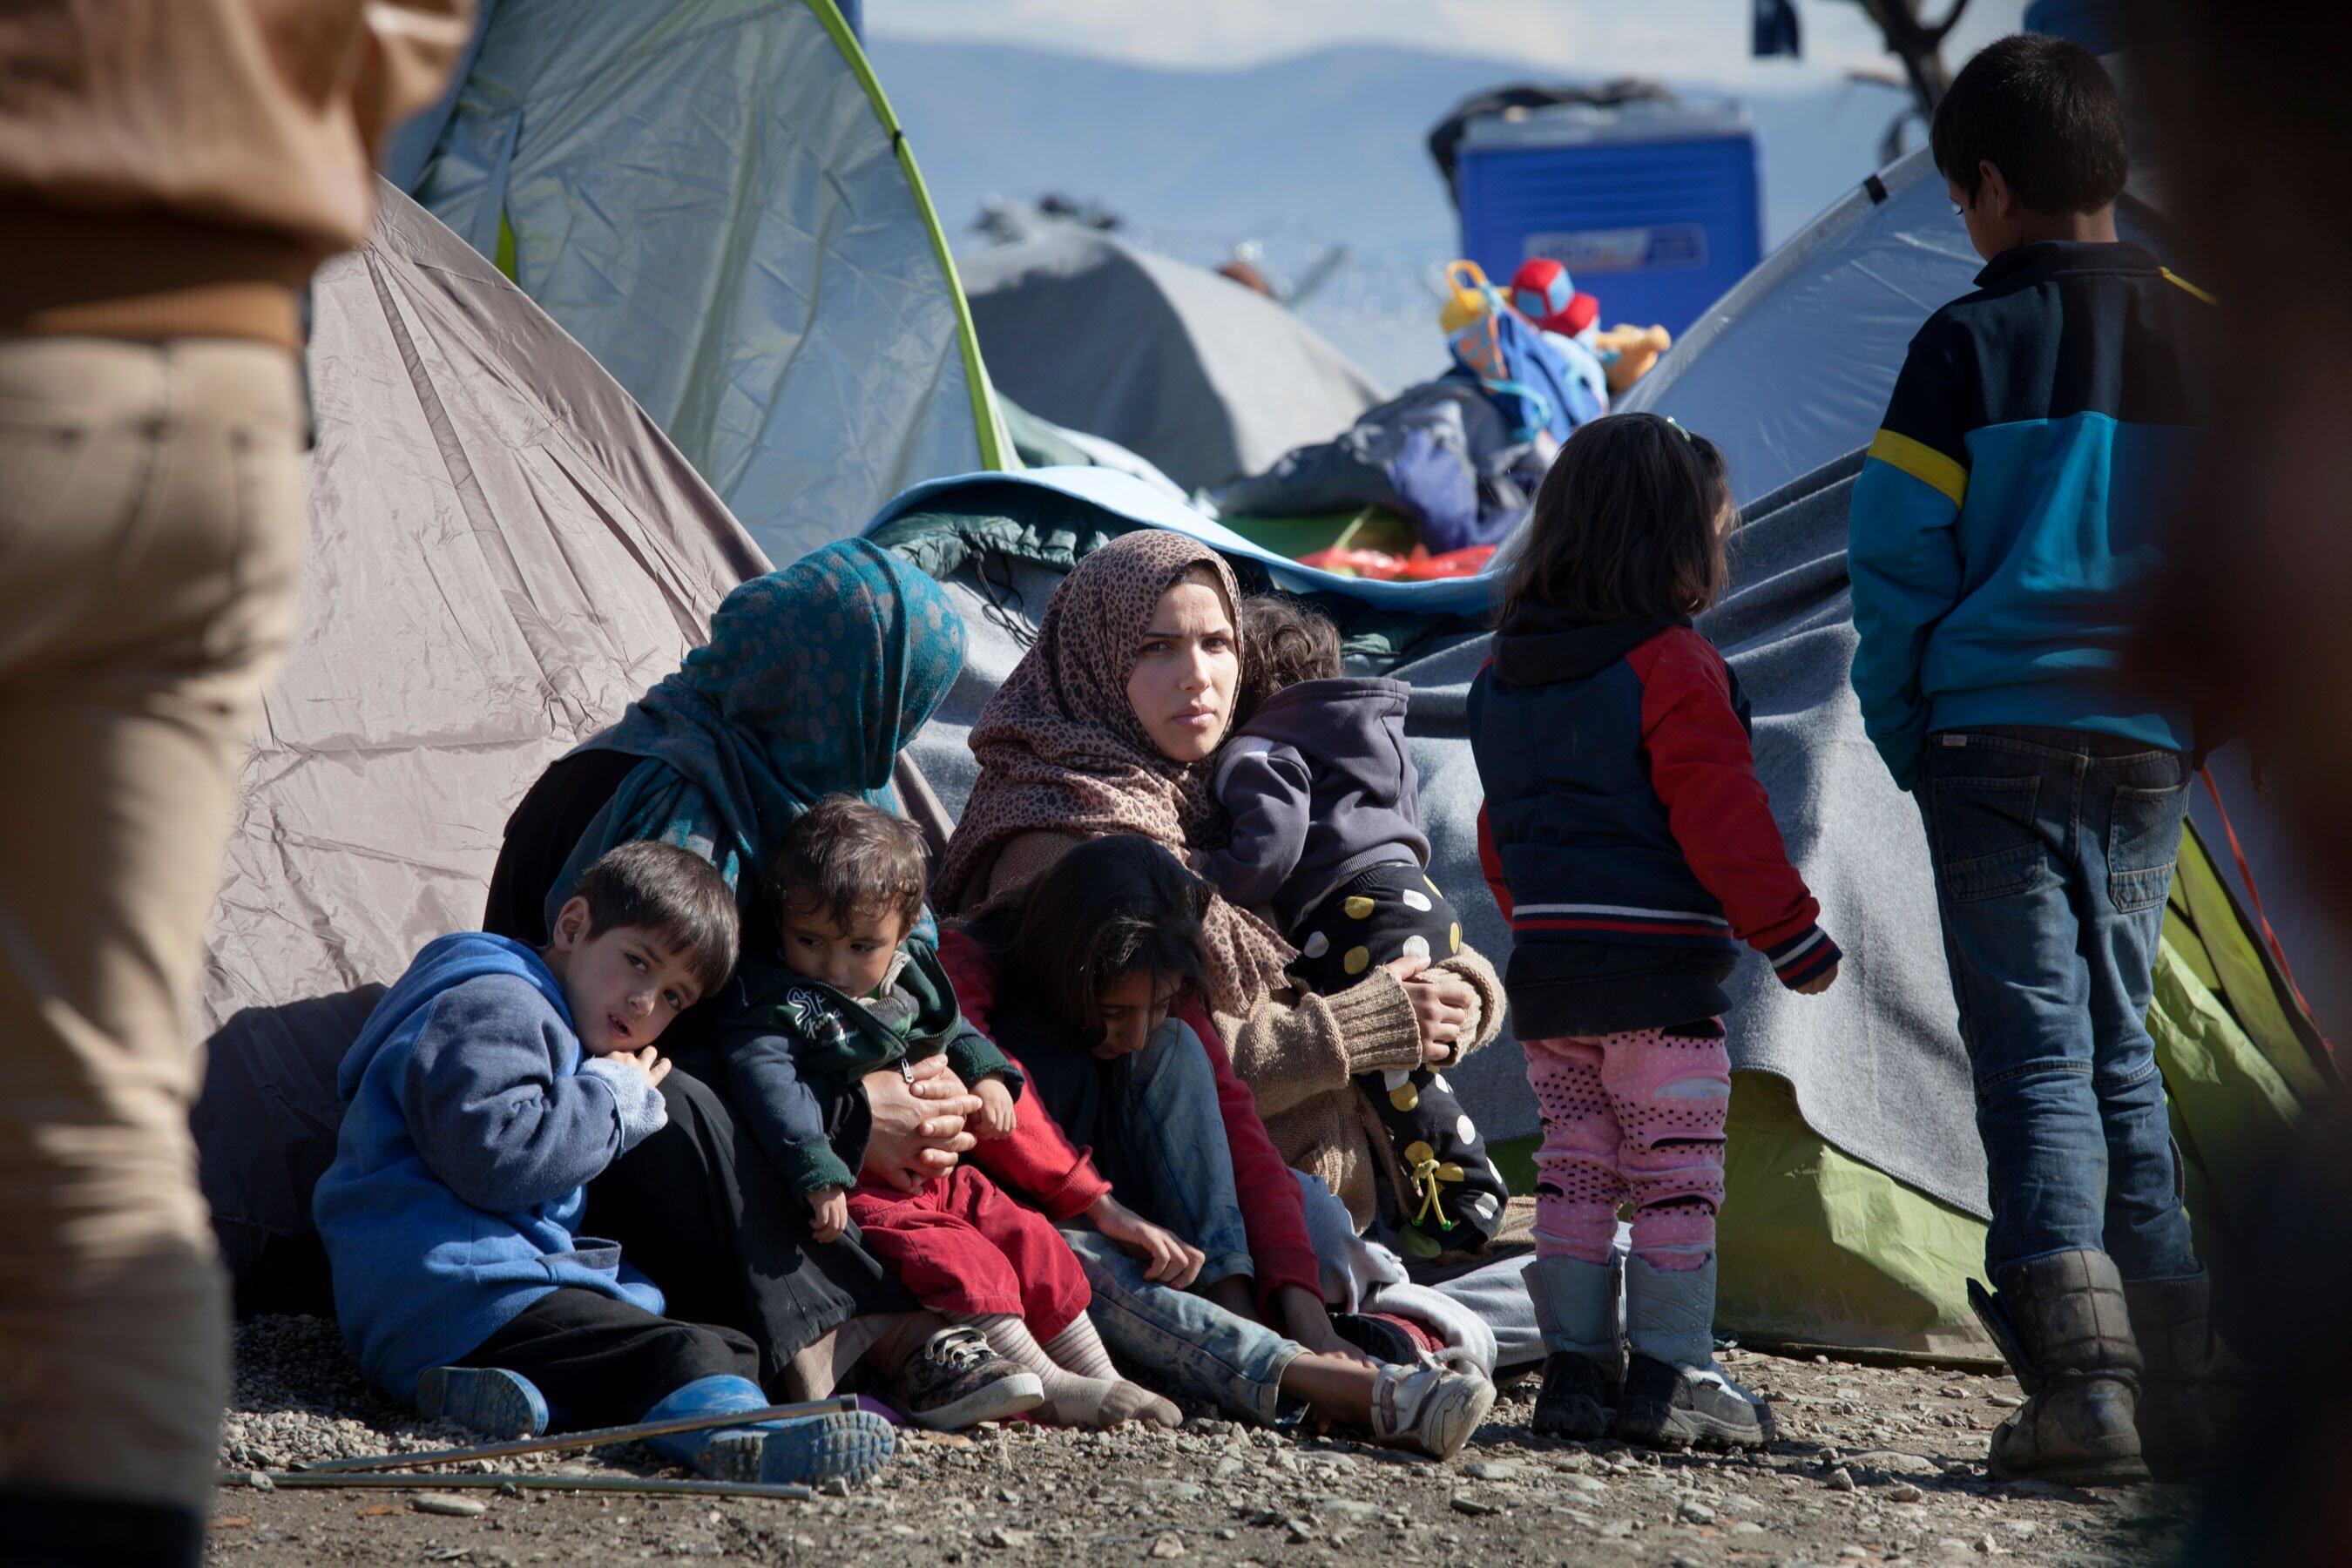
(1305, 1320)
(1167, 1259)
(1441, 1006)
(918, 1125)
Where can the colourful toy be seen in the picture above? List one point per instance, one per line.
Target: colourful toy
(1627, 353)
(1542, 291)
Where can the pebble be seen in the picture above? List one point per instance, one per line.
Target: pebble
(1841, 1479)
(1695, 1511)
(2006, 1401)
(448, 1505)
(1493, 1469)
(1987, 1544)
(1904, 1492)
(1006, 1537)
(1851, 1552)
(259, 1481)
(1746, 1526)
(1465, 1503)
(1169, 1545)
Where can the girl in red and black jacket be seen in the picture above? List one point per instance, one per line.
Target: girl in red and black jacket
(1630, 845)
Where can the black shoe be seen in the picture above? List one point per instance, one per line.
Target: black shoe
(2062, 1323)
(1666, 1407)
(956, 1380)
(2191, 1387)
(1578, 1397)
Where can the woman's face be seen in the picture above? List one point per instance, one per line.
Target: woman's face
(1187, 663)
(1133, 1007)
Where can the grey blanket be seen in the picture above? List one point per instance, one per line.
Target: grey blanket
(1877, 1063)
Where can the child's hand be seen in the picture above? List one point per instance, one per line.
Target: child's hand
(1818, 983)
(829, 1213)
(1167, 1259)
(996, 1116)
(648, 1061)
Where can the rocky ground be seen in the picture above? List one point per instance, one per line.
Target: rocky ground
(1873, 1465)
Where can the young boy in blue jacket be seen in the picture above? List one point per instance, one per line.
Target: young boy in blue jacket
(490, 1085)
(2008, 511)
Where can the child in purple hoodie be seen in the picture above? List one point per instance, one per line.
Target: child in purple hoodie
(1327, 841)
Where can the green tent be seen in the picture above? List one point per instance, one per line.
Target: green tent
(715, 199)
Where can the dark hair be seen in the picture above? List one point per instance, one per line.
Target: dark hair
(2045, 113)
(1110, 908)
(1284, 642)
(674, 893)
(1627, 526)
(849, 858)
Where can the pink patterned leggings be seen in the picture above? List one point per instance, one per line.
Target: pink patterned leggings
(1634, 1116)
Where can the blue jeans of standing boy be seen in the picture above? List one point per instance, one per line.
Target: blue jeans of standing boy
(2054, 853)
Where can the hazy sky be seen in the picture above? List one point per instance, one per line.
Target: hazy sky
(1691, 40)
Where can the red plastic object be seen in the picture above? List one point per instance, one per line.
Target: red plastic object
(1421, 566)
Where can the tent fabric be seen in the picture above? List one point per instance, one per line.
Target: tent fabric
(1206, 378)
(713, 197)
(1793, 368)
(503, 552)
(1876, 1065)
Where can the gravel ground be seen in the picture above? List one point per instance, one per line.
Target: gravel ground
(1873, 1465)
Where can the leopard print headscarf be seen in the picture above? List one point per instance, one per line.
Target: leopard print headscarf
(1060, 749)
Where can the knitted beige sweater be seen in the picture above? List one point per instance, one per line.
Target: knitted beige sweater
(1297, 1050)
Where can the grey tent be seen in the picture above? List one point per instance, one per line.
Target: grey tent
(503, 552)
(714, 197)
(1206, 378)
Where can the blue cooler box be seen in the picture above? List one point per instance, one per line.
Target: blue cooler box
(1652, 208)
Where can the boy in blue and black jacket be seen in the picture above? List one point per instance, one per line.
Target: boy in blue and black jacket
(2009, 510)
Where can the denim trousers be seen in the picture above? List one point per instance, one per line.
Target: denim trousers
(2054, 852)
(1163, 1099)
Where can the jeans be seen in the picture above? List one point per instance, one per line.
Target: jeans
(2054, 853)
(1173, 1165)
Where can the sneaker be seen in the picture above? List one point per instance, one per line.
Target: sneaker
(1667, 1406)
(1429, 1407)
(811, 1450)
(485, 1399)
(956, 1380)
(1578, 1397)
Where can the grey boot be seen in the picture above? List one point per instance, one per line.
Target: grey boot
(1579, 1308)
(2190, 1386)
(1675, 1394)
(2063, 1325)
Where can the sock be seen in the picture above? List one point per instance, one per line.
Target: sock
(1080, 1348)
(1072, 1399)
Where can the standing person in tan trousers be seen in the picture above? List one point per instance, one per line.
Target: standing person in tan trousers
(171, 172)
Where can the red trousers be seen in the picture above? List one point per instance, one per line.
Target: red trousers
(963, 1246)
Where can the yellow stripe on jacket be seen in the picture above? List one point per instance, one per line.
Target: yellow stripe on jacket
(1922, 462)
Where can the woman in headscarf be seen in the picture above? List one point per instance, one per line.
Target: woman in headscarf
(813, 680)
(1107, 725)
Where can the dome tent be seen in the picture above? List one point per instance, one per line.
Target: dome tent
(714, 198)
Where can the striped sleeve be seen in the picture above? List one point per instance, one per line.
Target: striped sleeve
(1902, 550)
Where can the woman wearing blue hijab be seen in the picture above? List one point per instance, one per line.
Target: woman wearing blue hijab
(813, 680)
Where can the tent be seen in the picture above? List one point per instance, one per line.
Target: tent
(1204, 377)
(714, 198)
(503, 552)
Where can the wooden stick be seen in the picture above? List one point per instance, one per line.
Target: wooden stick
(516, 1447)
(542, 1481)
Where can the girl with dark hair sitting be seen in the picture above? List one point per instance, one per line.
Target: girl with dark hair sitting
(1089, 978)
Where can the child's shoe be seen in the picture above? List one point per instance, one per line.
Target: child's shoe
(810, 1451)
(485, 1399)
(1429, 1407)
(957, 1381)
(1675, 1394)
(1577, 1309)
(2062, 1323)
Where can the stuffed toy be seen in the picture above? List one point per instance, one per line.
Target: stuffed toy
(1628, 353)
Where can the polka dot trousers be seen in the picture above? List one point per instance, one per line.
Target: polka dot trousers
(1634, 1117)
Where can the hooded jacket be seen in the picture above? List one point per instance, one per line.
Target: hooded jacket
(1319, 787)
(1625, 833)
(789, 1043)
(471, 1126)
